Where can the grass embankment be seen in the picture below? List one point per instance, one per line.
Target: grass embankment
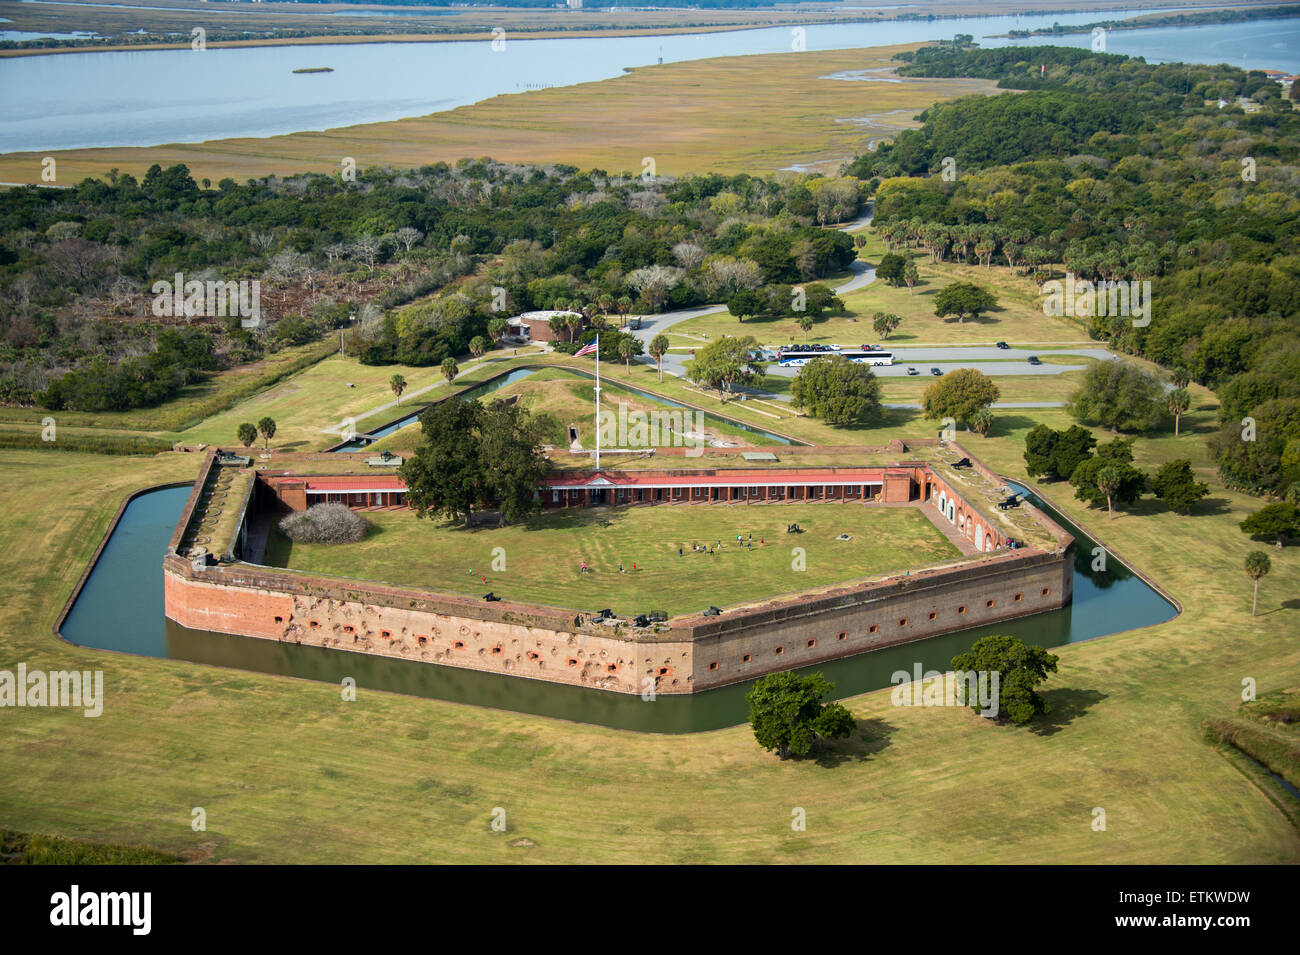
(148, 430)
(570, 398)
(691, 117)
(544, 556)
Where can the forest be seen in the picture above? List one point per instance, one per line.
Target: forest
(1186, 176)
(415, 263)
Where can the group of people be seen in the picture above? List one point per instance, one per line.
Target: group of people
(696, 547)
(715, 547)
(584, 569)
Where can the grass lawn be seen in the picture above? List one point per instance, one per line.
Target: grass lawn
(1018, 318)
(329, 392)
(544, 556)
(288, 773)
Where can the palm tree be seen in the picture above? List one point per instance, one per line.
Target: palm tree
(1180, 399)
(450, 369)
(981, 422)
(1257, 566)
(398, 384)
(626, 349)
(1108, 481)
(267, 427)
(911, 275)
(247, 434)
(478, 345)
(659, 348)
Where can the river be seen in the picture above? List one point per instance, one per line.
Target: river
(147, 98)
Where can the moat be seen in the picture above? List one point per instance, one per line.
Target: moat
(121, 608)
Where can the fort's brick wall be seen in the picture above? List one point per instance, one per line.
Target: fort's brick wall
(689, 655)
(692, 654)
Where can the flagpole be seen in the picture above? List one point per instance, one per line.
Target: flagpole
(598, 402)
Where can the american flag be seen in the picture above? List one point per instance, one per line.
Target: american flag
(587, 349)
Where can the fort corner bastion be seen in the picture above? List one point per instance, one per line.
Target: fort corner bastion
(1014, 562)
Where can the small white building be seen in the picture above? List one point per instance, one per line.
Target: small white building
(536, 326)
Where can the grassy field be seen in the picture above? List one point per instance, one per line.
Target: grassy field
(543, 558)
(690, 117)
(1018, 318)
(288, 773)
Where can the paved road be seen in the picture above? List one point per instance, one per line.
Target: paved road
(996, 404)
(652, 325)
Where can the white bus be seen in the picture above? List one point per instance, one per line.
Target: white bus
(792, 357)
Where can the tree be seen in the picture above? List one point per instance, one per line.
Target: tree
(726, 362)
(450, 369)
(510, 441)
(1257, 567)
(478, 345)
(885, 322)
(911, 276)
(805, 323)
(981, 422)
(1119, 396)
(1176, 486)
(1108, 480)
(1125, 485)
(891, 269)
(1180, 377)
(626, 349)
(446, 475)
(746, 302)
(959, 394)
(1278, 520)
(247, 434)
(818, 298)
(497, 328)
(1055, 454)
(1020, 670)
(1178, 401)
(964, 300)
(398, 384)
(837, 390)
(267, 429)
(654, 282)
(787, 713)
(408, 236)
(659, 348)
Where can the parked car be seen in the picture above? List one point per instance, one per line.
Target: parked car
(912, 371)
(1033, 360)
(1003, 345)
(936, 372)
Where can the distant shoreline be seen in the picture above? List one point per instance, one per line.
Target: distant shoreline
(483, 36)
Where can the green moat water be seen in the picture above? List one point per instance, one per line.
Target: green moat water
(121, 608)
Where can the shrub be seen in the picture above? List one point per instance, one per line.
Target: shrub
(324, 524)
